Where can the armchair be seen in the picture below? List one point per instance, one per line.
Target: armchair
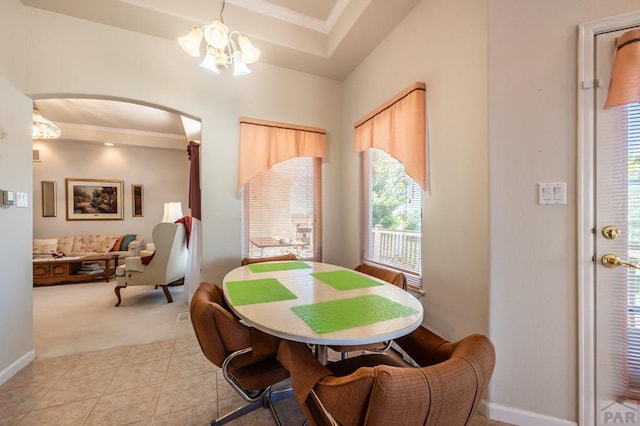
(164, 267)
(445, 389)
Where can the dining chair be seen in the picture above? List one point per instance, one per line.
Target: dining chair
(246, 356)
(393, 277)
(445, 388)
(250, 260)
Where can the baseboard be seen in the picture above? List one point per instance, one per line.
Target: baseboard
(18, 365)
(520, 417)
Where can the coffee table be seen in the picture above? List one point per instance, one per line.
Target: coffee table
(47, 271)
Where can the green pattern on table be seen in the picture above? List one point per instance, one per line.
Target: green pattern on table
(335, 315)
(345, 279)
(258, 291)
(277, 266)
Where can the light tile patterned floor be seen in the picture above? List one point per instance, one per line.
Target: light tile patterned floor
(164, 383)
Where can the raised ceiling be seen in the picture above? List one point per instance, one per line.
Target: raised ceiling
(323, 37)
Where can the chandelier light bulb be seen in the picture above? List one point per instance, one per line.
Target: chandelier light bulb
(250, 54)
(217, 34)
(191, 42)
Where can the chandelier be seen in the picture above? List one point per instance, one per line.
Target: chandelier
(43, 128)
(223, 47)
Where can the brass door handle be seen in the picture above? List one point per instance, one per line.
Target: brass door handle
(612, 261)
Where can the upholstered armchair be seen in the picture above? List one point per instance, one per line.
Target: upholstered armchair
(166, 266)
(445, 389)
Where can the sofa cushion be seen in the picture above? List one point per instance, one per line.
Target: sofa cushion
(45, 245)
(65, 244)
(126, 240)
(87, 243)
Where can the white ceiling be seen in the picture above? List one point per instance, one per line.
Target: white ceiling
(323, 37)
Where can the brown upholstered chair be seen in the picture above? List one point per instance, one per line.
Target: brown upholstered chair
(445, 389)
(249, 260)
(393, 277)
(246, 355)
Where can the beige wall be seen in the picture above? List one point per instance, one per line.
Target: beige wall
(16, 319)
(532, 133)
(87, 58)
(164, 174)
(443, 44)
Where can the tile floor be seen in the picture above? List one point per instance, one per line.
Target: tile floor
(163, 383)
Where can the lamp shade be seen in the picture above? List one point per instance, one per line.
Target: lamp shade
(172, 211)
(191, 42)
(625, 79)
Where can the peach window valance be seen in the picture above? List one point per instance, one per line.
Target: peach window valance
(264, 143)
(625, 77)
(399, 127)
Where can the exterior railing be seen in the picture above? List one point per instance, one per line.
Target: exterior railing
(397, 248)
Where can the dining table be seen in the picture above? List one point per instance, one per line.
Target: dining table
(320, 304)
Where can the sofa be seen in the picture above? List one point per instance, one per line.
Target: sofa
(90, 244)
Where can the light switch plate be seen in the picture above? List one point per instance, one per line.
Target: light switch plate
(552, 193)
(22, 199)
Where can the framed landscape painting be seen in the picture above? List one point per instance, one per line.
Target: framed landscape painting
(94, 199)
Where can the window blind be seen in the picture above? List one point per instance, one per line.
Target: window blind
(282, 210)
(632, 296)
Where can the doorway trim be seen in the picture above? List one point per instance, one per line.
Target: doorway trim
(585, 207)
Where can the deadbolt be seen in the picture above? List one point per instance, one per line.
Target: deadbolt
(611, 232)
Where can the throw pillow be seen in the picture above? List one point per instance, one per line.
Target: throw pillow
(146, 259)
(126, 240)
(106, 245)
(116, 246)
(45, 245)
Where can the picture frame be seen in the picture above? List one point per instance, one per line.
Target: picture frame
(137, 200)
(94, 199)
(49, 198)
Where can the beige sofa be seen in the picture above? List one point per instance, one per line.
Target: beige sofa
(91, 244)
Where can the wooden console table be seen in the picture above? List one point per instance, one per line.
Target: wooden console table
(67, 269)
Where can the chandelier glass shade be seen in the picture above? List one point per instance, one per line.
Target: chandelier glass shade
(223, 47)
(43, 128)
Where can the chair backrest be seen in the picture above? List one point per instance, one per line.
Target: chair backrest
(249, 260)
(394, 277)
(447, 392)
(210, 318)
(170, 257)
(220, 333)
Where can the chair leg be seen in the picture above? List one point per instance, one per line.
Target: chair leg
(238, 412)
(117, 290)
(167, 293)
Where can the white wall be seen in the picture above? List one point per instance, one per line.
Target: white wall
(163, 173)
(532, 133)
(16, 319)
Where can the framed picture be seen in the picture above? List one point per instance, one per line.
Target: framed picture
(49, 198)
(94, 199)
(137, 195)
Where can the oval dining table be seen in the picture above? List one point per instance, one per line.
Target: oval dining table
(320, 304)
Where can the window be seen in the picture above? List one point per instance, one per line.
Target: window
(282, 208)
(393, 214)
